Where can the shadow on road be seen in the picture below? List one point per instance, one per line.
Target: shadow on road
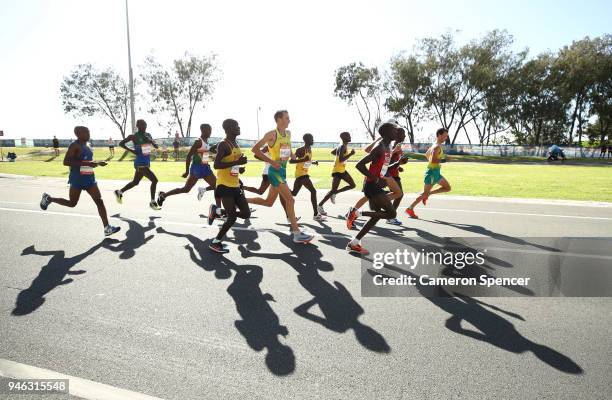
(50, 276)
(134, 238)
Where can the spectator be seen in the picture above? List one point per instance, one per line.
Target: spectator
(111, 146)
(609, 151)
(55, 146)
(164, 152)
(176, 144)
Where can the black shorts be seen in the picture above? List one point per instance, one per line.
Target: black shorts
(371, 189)
(111, 147)
(341, 175)
(225, 191)
(302, 178)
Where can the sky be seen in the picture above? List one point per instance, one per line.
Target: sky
(273, 54)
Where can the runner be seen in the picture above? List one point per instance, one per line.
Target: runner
(393, 181)
(373, 185)
(142, 142)
(435, 156)
(302, 163)
(198, 169)
(229, 163)
(79, 158)
(279, 144)
(339, 172)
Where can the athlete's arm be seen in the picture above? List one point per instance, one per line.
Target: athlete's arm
(71, 158)
(153, 142)
(192, 151)
(300, 155)
(341, 156)
(122, 143)
(265, 141)
(265, 149)
(223, 150)
(371, 145)
(213, 148)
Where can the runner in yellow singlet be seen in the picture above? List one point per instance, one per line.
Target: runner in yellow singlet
(435, 156)
(229, 163)
(339, 173)
(279, 145)
(303, 163)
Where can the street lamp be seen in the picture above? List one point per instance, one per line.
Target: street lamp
(258, 110)
(131, 75)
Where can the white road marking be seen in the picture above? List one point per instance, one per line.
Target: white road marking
(78, 387)
(190, 224)
(515, 213)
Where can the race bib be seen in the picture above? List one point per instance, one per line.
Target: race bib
(146, 149)
(235, 171)
(307, 165)
(86, 170)
(205, 156)
(285, 152)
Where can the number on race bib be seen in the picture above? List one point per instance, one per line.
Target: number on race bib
(307, 165)
(86, 170)
(146, 149)
(285, 152)
(235, 171)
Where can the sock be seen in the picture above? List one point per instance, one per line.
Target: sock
(219, 211)
(354, 242)
(215, 241)
(357, 212)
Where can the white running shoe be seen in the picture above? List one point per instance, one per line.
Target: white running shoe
(333, 199)
(201, 192)
(394, 221)
(320, 210)
(109, 230)
(320, 218)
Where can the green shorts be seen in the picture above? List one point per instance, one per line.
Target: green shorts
(277, 176)
(432, 176)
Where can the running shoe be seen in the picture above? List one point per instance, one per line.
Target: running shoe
(45, 201)
(333, 199)
(212, 213)
(119, 196)
(352, 216)
(394, 221)
(218, 247)
(357, 248)
(153, 204)
(109, 230)
(302, 237)
(411, 213)
(319, 217)
(201, 192)
(160, 198)
(320, 210)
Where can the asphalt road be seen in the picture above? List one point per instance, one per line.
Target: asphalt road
(153, 311)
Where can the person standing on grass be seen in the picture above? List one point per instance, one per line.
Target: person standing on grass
(111, 146)
(79, 158)
(435, 156)
(55, 146)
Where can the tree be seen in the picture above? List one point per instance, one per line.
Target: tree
(361, 86)
(178, 90)
(578, 68)
(88, 92)
(405, 87)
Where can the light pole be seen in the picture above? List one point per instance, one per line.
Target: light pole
(258, 110)
(131, 75)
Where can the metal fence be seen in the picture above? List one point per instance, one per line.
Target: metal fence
(457, 149)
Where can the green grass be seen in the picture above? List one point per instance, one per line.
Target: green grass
(554, 181)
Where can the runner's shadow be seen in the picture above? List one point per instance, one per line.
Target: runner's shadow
(334, 239)
(499, 236)
(201, 247)
(244, 235)
(492, 328)
(50, 276)
(259, 325)
(51, 159)
(339, 308)
(135, 238)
